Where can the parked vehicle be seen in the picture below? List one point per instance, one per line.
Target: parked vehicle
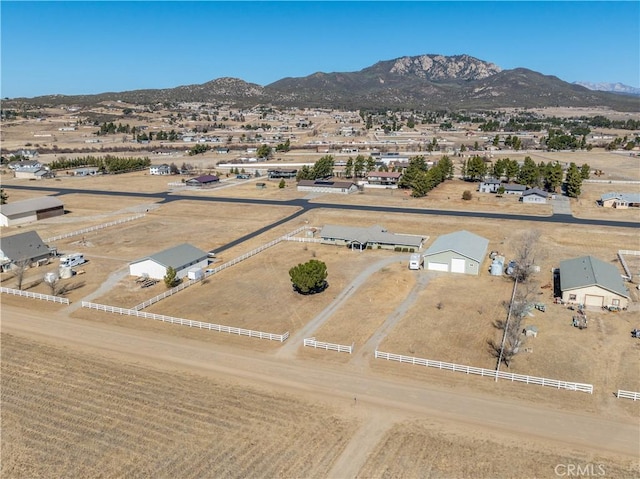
(415, 261)
(73, 259)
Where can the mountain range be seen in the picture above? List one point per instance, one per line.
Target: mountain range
(424, 82)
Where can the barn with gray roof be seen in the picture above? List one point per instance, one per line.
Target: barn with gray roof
(459, 252)
(27, 211)
(593, 283)
(182, 258)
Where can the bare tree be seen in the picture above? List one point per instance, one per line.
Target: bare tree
(19, 269)
(53, 282)
(527, 253)
(519, 306)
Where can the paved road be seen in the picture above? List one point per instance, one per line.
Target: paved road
(305, 205)
(586, 431)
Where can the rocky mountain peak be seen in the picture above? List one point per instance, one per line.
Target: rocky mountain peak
(440, 67)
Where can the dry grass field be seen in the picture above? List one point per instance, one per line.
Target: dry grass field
(94, 417)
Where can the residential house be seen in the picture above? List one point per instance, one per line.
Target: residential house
(181, 258)
(286, 173)
(490, 185)
(514, 189)
(162, 170)
(620, 200)
(459, 252)
(385, 179)
(592, 282)
(25, 165)
(374, 237)
(534, 196)
(26, 247)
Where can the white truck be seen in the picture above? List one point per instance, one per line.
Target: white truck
(415, 261)
(73, 259)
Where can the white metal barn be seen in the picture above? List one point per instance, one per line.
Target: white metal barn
(182, 258)
(459, 252)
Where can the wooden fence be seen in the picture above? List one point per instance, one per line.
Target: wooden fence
(311, 342)
(94, 228)
(587, 388)
(628, 395)
(186, 284)
(187, 322)
(28, 294)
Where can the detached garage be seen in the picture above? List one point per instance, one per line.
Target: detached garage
(592, 283)
(459, 252)
(182, 258)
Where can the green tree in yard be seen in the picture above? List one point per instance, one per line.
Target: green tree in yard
(264, 151)
(323, 168)
(552, 176)
(476, 168)
(282, 184)
(585, 171)
(511, 169)
(3, 197)
(573, 181)
(466, 195)
(528, 174)
(358, 166)
(309, 277)
(446, 167)
(417, 167)
(170, 277)
(497, 169)
(348, 169)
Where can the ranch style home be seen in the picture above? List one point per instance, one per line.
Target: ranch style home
(459, 252)
(27, 211)
(383, 179)
(374, 237)
(181, 258)
(593, 283)
(25, 246)
(286, 173)
(534, 196)
(620, 200)
(163, 170)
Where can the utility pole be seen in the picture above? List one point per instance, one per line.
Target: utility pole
(506, 327)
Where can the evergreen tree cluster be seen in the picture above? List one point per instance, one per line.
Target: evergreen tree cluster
(323, 168)
(421, 179)
(105, 164)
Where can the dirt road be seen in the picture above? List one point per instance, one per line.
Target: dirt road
(333, 383)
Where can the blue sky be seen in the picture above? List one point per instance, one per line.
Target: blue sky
(93, 47)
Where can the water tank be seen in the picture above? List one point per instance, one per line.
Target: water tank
(496, 268)
(66, 272)
(50, 277)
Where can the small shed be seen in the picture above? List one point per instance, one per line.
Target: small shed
(530, 331)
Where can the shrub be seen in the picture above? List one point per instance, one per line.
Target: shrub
(466, 195)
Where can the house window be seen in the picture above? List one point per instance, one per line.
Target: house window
(615, 302)
(572, 297)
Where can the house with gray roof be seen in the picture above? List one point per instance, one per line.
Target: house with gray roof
(593, 283)
(27, 246)
(373, 237)
(27, 211)
(458, 252)
(514, 189)
(182, 258)
(620, 200)
(327, 186)
(534, 196)
(489, 185)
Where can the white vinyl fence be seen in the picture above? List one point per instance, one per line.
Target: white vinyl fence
(312, 343)
(187, 322)
(621, 254)
(628, 395)
(186, 284)
(587, 388)
(28, 294)
(94, 228)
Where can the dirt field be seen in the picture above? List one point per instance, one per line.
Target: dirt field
(94, 417)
